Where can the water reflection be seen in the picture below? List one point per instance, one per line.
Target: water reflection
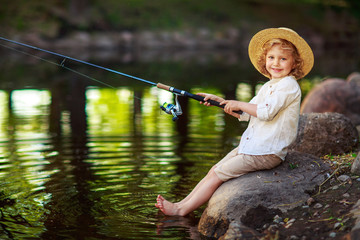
(87, 163)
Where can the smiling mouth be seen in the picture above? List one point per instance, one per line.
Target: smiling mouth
(276, 70)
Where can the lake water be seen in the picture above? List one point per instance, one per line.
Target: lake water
(79, 160)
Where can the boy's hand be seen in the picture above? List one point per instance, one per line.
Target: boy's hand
(208, 96)
(231, 106)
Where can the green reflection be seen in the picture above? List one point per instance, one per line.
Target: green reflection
(108, 111)
(5, 114)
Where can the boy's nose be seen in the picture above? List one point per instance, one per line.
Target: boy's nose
(277, 62)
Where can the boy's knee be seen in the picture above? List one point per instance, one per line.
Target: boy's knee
(214, 175)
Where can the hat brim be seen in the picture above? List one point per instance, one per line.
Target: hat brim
(257, 42)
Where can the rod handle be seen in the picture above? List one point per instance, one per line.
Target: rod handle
(212, 102)
(190, 95)
(163, 86)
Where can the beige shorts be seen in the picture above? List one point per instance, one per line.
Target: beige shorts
(234, 164)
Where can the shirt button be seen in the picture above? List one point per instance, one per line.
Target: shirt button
(247, 138)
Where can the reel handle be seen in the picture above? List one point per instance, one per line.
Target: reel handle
(190, 95)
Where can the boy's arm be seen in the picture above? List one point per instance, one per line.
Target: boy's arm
(233, 105)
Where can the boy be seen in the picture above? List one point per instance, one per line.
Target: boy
(283, 56)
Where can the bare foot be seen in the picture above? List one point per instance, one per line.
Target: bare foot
(168, 208)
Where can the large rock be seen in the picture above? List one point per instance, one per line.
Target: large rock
(354, 78)
(325, 133)
(335, 95)
(282, 188)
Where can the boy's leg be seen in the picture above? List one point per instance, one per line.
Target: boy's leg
(193, 191)
(228, 156)
(200, 195)
(211, 181)
(197, 186)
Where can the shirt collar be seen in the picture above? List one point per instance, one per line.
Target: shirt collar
(273, 81)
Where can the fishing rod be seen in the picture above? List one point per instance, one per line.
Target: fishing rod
(173, 109)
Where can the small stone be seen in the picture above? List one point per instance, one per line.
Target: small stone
(291, 220)
(318, 205)
(343, 178)
(287, 225)
(346, 195)
(266, 226)
(305, 214)
(293, 237)
(337, 225)
(332, 234)
(278, 219)
(358, 179)
(335, 187)
(310, 201)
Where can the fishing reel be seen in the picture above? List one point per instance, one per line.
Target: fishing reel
(172, 109)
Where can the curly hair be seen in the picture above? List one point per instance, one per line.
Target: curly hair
(297, 71)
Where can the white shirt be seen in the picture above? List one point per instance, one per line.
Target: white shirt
(275, 127)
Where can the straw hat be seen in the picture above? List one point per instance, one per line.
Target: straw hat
(259, 39)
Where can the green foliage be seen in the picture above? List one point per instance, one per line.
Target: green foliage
(293, 165)
(308, 84)
(141, 14)
(48, 17)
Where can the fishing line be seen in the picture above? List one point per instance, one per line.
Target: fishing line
(173, 109)
(78, 60)
(62, 64)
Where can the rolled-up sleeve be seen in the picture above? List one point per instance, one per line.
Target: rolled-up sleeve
(262, 111)
(244, 117)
